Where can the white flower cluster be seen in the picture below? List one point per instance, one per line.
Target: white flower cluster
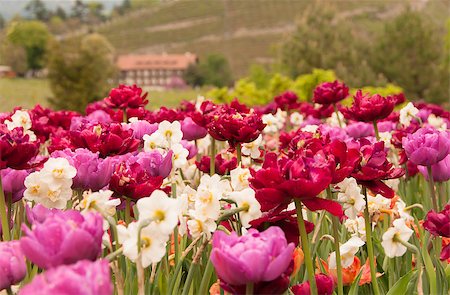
(168, 136)
(274, 123)
(21, 119)
(51, 186)
(348, 251)
(350, 197)
(407, 113)
(158, 216)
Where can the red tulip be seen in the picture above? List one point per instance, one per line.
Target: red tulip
(222, 166)
(367, 108)
(374, 168)
(16, 149)
(325, 286)
(330, 92)
(287, 101)
(126, 96)
(347, 160)
(106, 139)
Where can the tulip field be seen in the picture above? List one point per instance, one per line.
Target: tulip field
(287, 198)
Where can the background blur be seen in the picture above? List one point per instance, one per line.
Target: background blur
(65, 54)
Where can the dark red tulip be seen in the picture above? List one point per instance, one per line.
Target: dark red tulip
(438, 224)
(347, 159)
(325, 286)
(369, 108)
(375, 167)
(222, 166)
(16, 149)
(330, 92)
(126, 96)
(133, 181)
(287, 101)
(106, 139)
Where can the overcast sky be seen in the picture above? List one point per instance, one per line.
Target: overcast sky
(9, 8)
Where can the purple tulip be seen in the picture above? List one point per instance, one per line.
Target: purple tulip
(360, 129)
(191, 130)
(93, 172)
(13, 182)
(440, 170)
(252, 258)
(191, 147)
(12, 264)
(154, 163)
(63, 237)
(426, 146)
(84, 277)
(141, 128)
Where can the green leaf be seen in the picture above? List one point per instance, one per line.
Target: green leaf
(401, 286)
(355, 286)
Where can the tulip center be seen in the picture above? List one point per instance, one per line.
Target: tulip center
(159, 215)
(98, 130)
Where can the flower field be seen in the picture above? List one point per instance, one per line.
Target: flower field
(286, 198)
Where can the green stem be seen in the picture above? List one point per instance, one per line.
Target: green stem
(335, 222)
(127, 211)
(337, 115)
(204, 285)
(432, 191)
(9, 291)
(4, 214)
(239, 154)
(375, 127)
(305, 246)
(416, 252)
(111, 256)
(373, 270)
(212, 164)
(249, 289)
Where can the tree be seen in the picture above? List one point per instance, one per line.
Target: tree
(80, 10)
(61, 13)
(38, 10)
(322, 40)
(33, 37)
(2, 21)
(214, 70)
(15, 57)
(80, 72)
(409, 53)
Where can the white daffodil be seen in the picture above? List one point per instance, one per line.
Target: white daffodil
(296, 119)
(101, 200)
(252, 148)
(153, 243)
(310, 128)
(19, 119)
(400, 230)
(386, 138)
(214, 184)
(197, 226)
(180, 155)
(273, 124)
(59, 169)
(171, 131)
(437, 122)
(50, 196)
(281, 117)
(404, 214)
(356, 227)
(162, 210)
(246, 199)
(407, 113)
(154, 141)
(393, 183)
(352, 201)
(348, 251)
(378, 204)
(207, 205)
(239, 178)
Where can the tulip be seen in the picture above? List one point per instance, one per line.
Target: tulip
(141, 128)
(438, 224)
(222, 166)
(13, 182)
(286, 101)
(93, 173)
(63, 237)
(234, 257)
(440, 171)
(16, 149)
(347, 160)
(126, 97)
(427, 146)
(12, 264)
(191, 130)
(84, 277)
(374, 168)
(108, 140)
(330, 92)
(133, 181)
(325, 286)
(367, 108)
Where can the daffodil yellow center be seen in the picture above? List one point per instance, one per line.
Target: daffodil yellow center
(159, 215)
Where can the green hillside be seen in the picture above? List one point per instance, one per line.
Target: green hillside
(245, 32)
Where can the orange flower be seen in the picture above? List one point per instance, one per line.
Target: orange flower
(298, 257)
(348, 274)
(365, 277)
(215, 289)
